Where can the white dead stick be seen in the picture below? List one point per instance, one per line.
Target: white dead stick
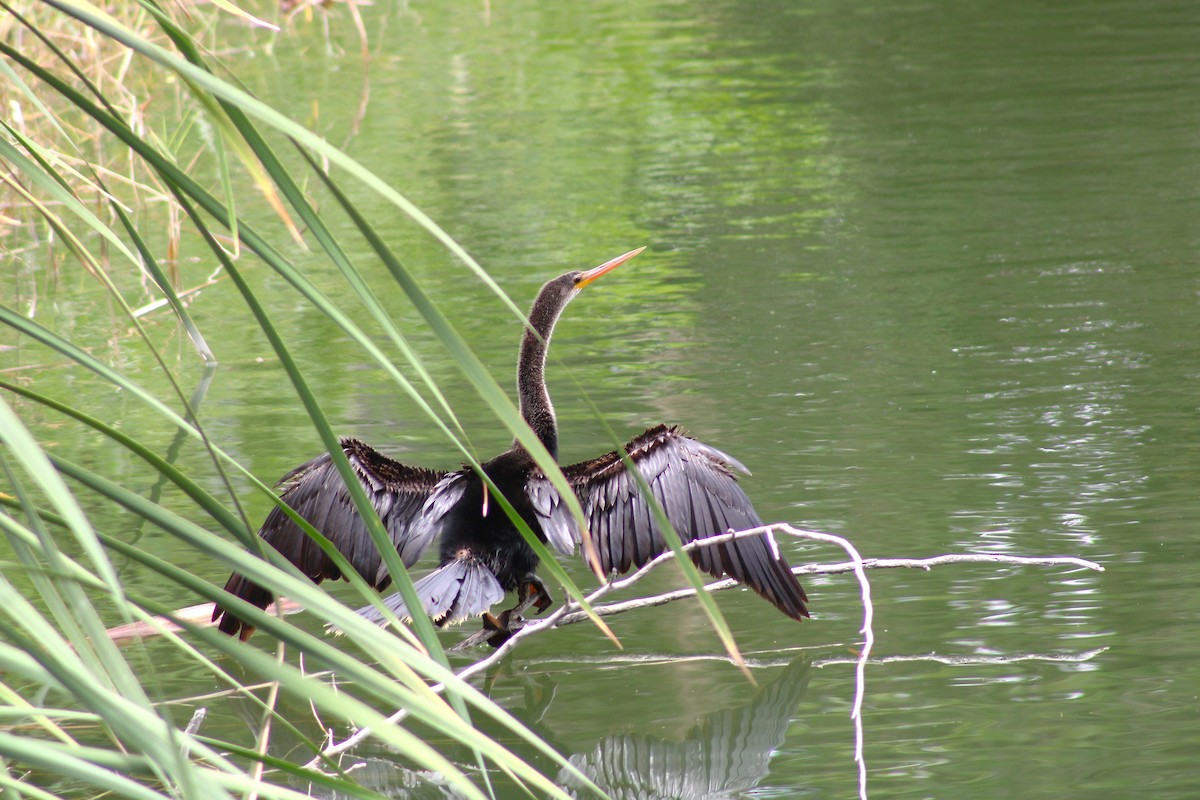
(868, 632)
(807, 569)
(774, 659)
(971, 660)
(199, 615)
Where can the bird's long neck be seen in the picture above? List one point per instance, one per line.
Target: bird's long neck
(536, 408)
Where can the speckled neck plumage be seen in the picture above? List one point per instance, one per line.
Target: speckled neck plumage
(536, 408)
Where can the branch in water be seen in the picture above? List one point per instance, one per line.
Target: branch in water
(807, 569)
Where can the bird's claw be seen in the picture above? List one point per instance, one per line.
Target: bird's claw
(499, 628)
(505, 626)
(540, 598)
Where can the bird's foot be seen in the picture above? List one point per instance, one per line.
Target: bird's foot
(499, 628)
(503, 627)
(533, 592)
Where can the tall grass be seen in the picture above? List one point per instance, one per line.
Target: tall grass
(79, 159)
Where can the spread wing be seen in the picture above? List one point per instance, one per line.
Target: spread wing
(411, 502)
(697, 489)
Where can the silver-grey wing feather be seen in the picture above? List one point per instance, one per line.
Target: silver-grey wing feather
(696, 487)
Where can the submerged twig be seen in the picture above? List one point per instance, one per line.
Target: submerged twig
(197, 719)
(860, 668)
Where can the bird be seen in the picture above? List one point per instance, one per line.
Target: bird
(482, 554)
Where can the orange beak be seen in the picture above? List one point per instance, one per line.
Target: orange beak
(607, 266)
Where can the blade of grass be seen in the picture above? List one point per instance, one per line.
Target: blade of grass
(25, 450)
(82, 765)
(211, 506)
(43, 175)
(146, 609)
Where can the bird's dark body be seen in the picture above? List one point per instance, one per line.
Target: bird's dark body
(482, 552)
(480, 528)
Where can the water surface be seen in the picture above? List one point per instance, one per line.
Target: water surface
(928, 270)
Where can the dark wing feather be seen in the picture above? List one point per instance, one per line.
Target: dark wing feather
(411, 502)
(697, 489)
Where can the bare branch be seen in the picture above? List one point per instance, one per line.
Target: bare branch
(773, 659)
(806, 569)
(969, 660)
(952, 558)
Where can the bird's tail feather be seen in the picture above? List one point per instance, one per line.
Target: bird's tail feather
(456, 591)
(247, 590)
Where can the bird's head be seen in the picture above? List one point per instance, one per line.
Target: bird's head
(555, 295)
(582, 279)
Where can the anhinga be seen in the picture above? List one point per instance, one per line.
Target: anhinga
(482, 553)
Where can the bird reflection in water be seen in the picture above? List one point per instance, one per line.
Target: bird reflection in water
(723, 755)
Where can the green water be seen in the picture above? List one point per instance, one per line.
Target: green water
(929, 270)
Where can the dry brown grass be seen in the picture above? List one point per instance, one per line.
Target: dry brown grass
(154, 103)
(76, 148)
